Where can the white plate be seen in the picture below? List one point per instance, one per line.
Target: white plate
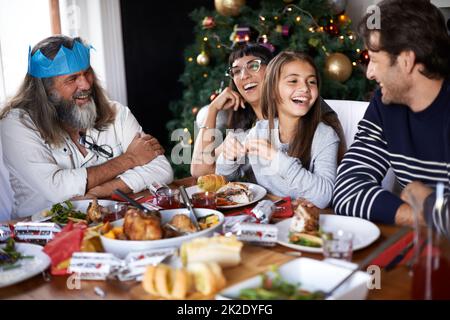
(313, 275)
(28, 267)
(257, 191)
(80, 205)
(364, 231)
(121, 248)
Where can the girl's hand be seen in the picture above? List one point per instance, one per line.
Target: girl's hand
(228, 99)
(260, 148)
(232, 149)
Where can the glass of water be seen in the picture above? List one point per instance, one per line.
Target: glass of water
(338, 245)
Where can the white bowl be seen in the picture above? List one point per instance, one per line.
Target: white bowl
(121, 248)
(313, 275)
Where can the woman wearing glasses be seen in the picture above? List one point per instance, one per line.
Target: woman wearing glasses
(292, 153)
(236, 107)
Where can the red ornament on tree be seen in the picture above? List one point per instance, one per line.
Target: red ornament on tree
(208, 23)
(364, 57)
(332, 29)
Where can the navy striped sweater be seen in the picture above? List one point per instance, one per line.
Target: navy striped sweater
(415, 145)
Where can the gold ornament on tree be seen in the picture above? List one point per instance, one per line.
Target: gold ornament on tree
(338, 67)
(229, 7)
(203, 59)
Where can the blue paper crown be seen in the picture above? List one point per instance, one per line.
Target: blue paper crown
(66, 61)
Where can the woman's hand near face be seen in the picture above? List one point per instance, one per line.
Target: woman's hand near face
(260, 148)
(228, 99)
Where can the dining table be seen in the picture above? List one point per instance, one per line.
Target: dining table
(394, 284)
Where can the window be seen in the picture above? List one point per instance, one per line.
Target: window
(22, 23)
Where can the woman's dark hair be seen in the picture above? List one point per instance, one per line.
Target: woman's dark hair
(301, 144)
(244, 118)
(414, 25)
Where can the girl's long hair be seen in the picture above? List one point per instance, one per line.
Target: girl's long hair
(300, 147)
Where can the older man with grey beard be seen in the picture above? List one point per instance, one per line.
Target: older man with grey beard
(63, 138)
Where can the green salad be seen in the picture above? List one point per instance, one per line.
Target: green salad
(9, 256)
(63, 212)
(309, 240)
(274, 287)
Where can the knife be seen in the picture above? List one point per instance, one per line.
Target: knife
(188, 204)
(131, 201)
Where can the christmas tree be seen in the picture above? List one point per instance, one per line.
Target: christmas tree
(320, 28)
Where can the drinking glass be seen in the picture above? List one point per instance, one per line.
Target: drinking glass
(338, 245)
(204, 200)
(168, 198)
(116, 212)
(431, 264)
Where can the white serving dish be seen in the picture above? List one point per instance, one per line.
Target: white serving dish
(121, 248)
(313, 275)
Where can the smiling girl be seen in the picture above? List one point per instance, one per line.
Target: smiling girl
(292, 153)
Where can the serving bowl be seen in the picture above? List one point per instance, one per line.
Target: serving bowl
(121, 248)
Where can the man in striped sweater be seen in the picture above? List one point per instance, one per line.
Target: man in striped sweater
(407, 124)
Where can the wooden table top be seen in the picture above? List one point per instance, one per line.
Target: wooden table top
(395, 284)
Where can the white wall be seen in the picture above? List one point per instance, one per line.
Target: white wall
(99, 22)
(357, 8)
(22, 23)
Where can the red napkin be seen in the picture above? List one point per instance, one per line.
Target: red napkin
(390, 253)
(64, 245)
(284, 210)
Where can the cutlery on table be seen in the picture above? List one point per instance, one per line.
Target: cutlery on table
(132, 201)
(188, 204)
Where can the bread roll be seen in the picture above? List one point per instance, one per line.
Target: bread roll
(148, 281)
(181, 284)
(226, 251)
(208, 277)
(166, 282)
(204, 278)
(211, 182)
(163, 281)
(220, 278)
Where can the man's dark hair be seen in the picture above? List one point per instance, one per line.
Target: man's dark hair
(414, 25)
